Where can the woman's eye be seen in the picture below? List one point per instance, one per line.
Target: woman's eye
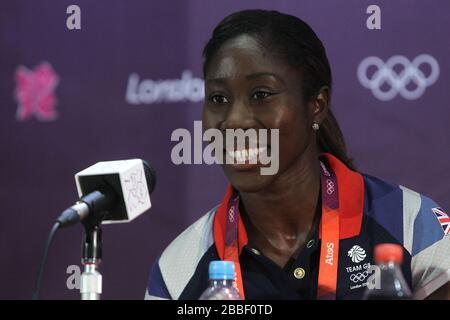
(261, 95)
(219, 99)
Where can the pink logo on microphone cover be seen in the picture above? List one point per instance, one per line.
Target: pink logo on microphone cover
(35, 92)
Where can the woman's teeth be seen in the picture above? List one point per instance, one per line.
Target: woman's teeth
(246, 155)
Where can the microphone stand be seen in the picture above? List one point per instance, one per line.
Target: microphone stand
(91, 279)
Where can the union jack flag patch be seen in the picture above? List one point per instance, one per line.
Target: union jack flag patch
(443, 219)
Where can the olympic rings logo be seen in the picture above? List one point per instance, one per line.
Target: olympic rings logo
(359, 277)
(398, 82)
(330, 186)
(231, 214)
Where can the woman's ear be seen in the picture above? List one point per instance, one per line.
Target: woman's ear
(320, 104)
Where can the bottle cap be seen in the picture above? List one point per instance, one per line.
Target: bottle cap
(221, 270)
(387, 252)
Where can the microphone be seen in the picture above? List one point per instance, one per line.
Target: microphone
(111, 191)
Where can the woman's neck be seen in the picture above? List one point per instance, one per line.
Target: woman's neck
(280, 219)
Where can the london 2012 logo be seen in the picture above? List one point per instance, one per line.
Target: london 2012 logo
(398, 75)
(35, 92)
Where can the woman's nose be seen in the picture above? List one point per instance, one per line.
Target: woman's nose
(239, 116)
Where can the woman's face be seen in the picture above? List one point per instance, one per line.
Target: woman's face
(247, 88)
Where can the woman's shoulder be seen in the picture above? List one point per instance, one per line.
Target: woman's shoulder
(401, 208)
(178, 262)
(195, 238)
(380, 191)
(412, 218)
(418, 223)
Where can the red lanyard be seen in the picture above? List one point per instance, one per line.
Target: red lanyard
(232, 250)
(329, 251)
(329, 248)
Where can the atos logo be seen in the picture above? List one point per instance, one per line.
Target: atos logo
(399, 75)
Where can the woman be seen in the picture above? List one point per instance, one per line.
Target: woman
(307, 231)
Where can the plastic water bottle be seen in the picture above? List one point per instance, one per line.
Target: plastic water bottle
(391, 284)
(221, 282)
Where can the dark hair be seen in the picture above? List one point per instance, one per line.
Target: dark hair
(292, 40)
